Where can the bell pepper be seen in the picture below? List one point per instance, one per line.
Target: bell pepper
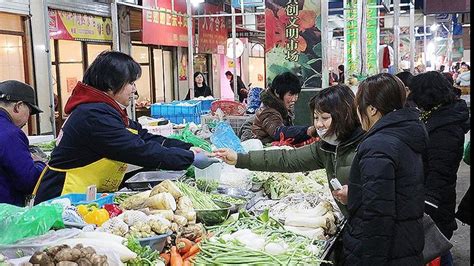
(97, 217)
(112, 209)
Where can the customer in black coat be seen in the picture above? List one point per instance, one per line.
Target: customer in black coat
(447, 121)
(385, 194)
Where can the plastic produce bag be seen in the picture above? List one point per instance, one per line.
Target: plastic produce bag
(224, 137)
(253, 100)
(187, 136)
(17, 223)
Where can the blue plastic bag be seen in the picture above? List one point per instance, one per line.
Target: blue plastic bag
(253, 100)
(224, 137)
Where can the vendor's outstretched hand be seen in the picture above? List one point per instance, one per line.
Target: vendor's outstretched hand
(227, 155)
(202, 160)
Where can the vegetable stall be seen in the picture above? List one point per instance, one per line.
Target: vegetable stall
(178, 218)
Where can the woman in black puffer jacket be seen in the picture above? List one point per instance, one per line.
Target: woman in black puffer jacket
(385, 198)
(447, 121)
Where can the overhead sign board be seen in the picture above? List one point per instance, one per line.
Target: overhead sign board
(247, 3)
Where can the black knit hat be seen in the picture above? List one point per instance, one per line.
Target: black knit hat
(15, 91)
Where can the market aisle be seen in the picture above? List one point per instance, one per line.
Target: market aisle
(461, 237)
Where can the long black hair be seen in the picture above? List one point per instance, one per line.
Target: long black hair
(204, 84)
(111, 70)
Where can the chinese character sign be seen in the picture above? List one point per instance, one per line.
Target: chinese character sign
(212, 30)
(372, 40)
(162, 26)
(352, 36)
(66, 25)
(293, 40)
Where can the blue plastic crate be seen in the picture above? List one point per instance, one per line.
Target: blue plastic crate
(176, 113)
(77, 199)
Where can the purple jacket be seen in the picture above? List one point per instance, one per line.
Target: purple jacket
(18, 171)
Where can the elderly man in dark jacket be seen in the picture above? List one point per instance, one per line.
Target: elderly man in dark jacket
(18, 171)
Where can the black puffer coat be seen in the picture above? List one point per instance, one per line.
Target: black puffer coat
(385, 195)
(446, 128)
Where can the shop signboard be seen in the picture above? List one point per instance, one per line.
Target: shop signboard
(212, 30)
(162, 26)
(372, 39)
(352, 37)
(65, 25)
(293, 40)
(247, 3)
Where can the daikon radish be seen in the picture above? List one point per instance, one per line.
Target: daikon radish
(302, 221)
(311, 233)
(102, 235)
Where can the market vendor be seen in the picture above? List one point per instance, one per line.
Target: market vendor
(275, 117)
(98, 140)
(336, 122)
(19, 171)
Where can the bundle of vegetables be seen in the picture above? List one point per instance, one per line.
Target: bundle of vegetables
(47, 146)
(183, 252)
(200, 200)
(65, 255)
(280, 209)
(261, 240)
(227, 198)
(314, 223)
(157, 211)
(277, 185)
(145, 255)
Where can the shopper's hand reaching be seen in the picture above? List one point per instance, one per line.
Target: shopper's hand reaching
(227, 155)
(341, 194)
(202, 160)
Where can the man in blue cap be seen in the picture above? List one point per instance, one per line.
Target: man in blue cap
(18, 171)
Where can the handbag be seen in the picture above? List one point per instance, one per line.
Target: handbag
(436, 244)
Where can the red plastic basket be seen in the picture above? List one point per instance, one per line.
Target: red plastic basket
(229, 107)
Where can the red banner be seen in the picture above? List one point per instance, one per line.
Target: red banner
(212, 31)
(164, 28)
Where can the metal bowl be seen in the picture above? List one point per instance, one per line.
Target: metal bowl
(214, 217)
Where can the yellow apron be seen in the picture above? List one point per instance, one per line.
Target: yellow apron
(105, 173)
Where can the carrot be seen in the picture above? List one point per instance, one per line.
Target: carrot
(166, 257)
(176, 259)
(194, 250)
(187, 263)
(183, 245)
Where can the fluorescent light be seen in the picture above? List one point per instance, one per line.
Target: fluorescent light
(196, 2)
(401, 12)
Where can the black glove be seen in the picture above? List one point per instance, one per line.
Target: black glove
(201, 160)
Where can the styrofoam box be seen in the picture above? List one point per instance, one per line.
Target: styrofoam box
(164, 130)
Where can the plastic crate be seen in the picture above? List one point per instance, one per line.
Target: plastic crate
(177, 113)
(77, 199)
(234, 121)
